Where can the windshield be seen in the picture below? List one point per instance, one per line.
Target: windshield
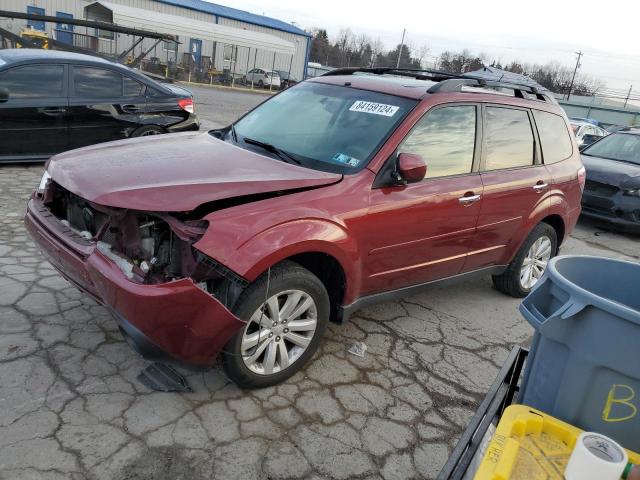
(325, 127)
(617, 146)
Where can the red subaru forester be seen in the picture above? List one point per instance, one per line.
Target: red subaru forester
(347, 189)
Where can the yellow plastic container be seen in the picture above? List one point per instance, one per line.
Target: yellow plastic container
(530, 445)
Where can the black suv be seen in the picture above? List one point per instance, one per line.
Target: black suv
(53, 101)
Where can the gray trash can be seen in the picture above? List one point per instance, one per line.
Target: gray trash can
(584, 363)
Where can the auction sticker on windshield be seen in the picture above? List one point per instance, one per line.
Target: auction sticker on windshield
(375, 108)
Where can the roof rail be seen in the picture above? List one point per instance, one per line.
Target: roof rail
(458, 84)
(418, 73)
(451, 82)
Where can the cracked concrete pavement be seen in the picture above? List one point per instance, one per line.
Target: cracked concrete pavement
(71, 408)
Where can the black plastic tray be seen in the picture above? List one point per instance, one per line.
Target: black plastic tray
(501, 394)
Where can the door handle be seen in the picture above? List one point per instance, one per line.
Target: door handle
(468, 199)
(54, 110)
(130, 109)
(539, 187)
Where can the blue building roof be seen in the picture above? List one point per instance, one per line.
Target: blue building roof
(235, 14)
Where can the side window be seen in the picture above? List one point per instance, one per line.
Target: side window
(93, 82)
(131, 87)
(509, 138)
(445, 138)
(554, 136)
(33, 81)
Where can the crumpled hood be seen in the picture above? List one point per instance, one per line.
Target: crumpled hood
(610, 172)
(175, 172)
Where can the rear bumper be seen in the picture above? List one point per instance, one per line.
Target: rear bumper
(175, 320)
(190, 124)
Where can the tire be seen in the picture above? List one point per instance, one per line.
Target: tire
(147, 131)
(286, 281)
(260, 84)
(511, 281)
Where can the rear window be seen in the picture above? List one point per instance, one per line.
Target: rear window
(554, 137)
(509, 138)
(92, 82)
(132, 88)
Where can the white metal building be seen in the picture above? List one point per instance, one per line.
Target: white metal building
(233, 39)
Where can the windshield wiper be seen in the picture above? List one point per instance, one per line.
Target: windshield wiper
(281, 154)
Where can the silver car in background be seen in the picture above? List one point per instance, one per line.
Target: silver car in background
(262, 78)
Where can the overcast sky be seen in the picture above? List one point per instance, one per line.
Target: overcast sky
(540, 31)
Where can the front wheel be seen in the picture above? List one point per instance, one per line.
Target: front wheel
(527, 267)
(284, 326)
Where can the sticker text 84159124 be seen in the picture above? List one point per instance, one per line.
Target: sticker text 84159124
(375, 108)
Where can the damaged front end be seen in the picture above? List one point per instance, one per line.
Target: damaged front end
(148, 247)
(167, 297)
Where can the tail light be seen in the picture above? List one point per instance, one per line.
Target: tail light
(186, 104)
(582, 178)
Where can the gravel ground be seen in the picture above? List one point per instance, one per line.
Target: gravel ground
(71, 408)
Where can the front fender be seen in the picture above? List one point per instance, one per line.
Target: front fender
(258, 253)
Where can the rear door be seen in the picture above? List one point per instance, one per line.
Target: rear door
(105, 105)
(422, 231)
(515, 185)
(34, 119)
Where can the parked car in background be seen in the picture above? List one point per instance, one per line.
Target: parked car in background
(339, 192)
(286, 80)
(52, 101)
(262, 78)
(612, 190)
(586, 132)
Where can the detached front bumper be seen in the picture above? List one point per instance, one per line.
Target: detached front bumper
(175, 318)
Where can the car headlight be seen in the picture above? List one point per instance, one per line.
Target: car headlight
(44, 181)
(631, 192)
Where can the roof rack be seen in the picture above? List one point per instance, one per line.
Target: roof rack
(454, 82)
(420, 74)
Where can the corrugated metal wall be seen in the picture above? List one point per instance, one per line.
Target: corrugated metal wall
(263, 59)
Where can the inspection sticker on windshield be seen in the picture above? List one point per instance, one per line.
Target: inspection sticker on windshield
(375, 108)
(346, 159)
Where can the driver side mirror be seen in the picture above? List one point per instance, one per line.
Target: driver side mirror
(411, 168)
(4, 94)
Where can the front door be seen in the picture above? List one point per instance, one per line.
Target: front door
(515, 185)
(64, 31)
(195, 47)
(422, 231)
(34, 118)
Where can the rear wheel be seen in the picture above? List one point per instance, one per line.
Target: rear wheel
(527, 267)
(147, 131)
(283, 332)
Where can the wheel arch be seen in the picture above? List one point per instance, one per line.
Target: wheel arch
(556, 221)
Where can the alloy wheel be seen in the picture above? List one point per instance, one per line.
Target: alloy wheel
(535, 263)
(279, 332)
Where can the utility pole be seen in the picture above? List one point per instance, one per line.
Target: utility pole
(574, 73)
(404, 30)
(628, 95)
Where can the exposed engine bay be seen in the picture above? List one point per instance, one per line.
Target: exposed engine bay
(149, 247)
